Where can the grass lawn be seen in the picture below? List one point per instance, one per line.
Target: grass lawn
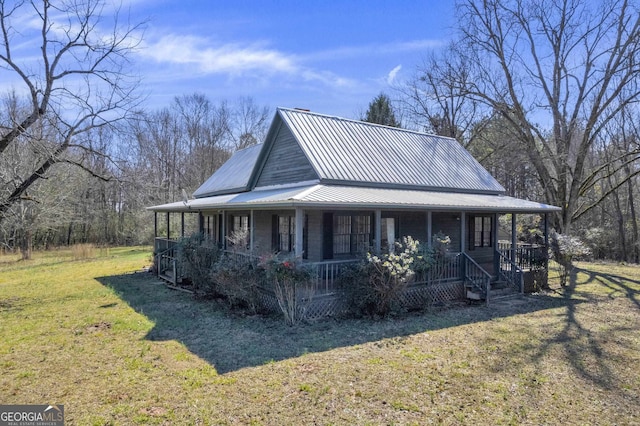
(117, 347)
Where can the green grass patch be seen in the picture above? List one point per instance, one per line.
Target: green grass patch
(117, 347)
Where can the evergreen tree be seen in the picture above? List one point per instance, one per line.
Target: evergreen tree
(381, 112)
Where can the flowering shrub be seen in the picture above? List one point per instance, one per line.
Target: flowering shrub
(564, 250)
(290, 285)
(373, 286)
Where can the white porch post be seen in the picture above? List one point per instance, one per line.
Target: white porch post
(463, 231)
(299, 249)
(429, 229)
(251, 231)
(377, 232)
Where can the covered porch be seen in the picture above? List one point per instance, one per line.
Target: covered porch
(478, 265)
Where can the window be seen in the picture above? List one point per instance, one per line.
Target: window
(361, 231)
(241, 223)
(342, 235)
(481, 232)
(351, 234)
(240, 234)
(286, 233)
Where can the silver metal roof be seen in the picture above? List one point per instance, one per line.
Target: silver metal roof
(232, 176)
(342, 150)
(336, 197)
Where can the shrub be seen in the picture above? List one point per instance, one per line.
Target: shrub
(237, 278)
(291, 285)
(564, 250)
(197, 256)
(374, 286)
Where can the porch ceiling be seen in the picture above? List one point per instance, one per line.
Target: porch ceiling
(352, 197)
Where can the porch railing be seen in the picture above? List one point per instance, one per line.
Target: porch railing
(527, 256)
(324, 274)
(510, 272)
(162, 244)
(167, 265)
(446, 268)
(476, 279)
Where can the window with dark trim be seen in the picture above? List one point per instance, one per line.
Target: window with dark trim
(240, 225)
(480, 232)
(286, 233)
(351, 234)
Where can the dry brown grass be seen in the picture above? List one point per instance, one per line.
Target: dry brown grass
(83, 251)
(119, 348)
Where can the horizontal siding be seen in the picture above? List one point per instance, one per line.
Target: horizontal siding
(286, 163)
(415, 225)
(449, 225)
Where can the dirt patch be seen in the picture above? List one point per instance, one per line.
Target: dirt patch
(9, 304)
(102, 325)
(154, 411)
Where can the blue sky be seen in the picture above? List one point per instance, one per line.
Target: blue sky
(331, 57)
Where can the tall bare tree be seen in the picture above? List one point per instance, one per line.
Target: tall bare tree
(558, 71)
(73, 71)
(436, 98)
(249, 122)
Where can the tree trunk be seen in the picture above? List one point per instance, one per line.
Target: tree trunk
(622, 247)
(635, 256)
(26, 244)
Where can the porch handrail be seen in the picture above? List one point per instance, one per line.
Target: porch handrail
(325, 273)
(477, 276)
(166, 260)
(527, 256)
(514, 275)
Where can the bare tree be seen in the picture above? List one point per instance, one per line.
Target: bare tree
(78, 81)
(249, 123)
(436, 98)
(558, 71)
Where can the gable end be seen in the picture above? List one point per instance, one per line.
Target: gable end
(285, 162)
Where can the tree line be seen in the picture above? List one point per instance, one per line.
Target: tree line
(543, 93)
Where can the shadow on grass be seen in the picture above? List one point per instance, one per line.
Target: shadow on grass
(613, 282)
(229, 341)
(590, 340)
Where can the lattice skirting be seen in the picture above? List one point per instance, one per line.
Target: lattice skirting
(267, 300)
(421, 295)
(416, 296)
(316, 307)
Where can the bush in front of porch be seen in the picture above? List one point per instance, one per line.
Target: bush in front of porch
(375, 285)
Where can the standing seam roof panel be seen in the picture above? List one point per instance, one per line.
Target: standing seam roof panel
(358, 152)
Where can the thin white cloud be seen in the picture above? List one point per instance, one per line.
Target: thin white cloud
(204, 56)
(226, 58)
(392, 75)
(374, 49)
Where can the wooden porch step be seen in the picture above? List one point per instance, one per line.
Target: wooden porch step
(166, 276)
(502, 292)
(499, 289)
